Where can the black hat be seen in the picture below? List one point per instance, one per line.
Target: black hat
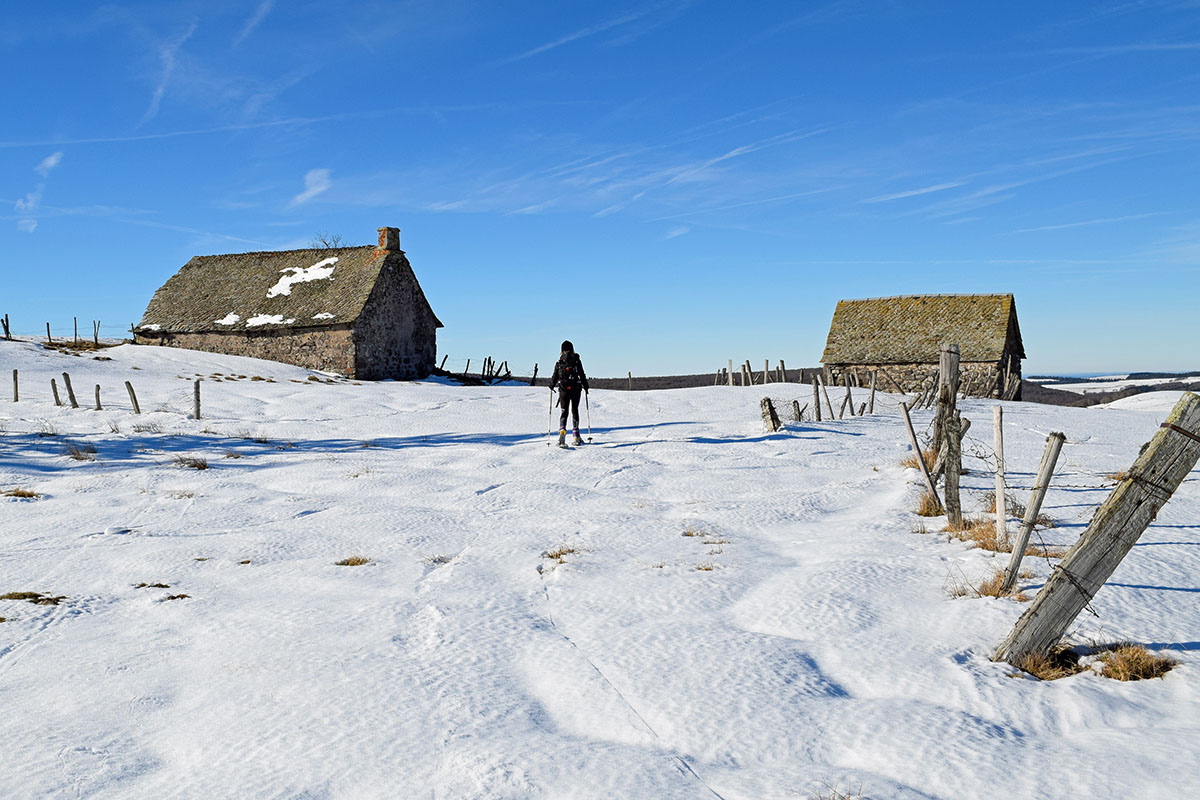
(567, 347)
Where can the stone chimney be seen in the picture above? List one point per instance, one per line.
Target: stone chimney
(389, 239)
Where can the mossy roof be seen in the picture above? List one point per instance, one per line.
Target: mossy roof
(911, 329)
(274, 290)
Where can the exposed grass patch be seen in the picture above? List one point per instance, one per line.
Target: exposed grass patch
(145, 585)
(147, 427)
(244, 561)
(910, 461)
(1060, 662)
(353, 561)
(981, 531)
(695, 530)
(257, 378)
(927, 506)
(176, 597)
(182, 494)
(707, 566)
(191, 462)
(559, 554)
(80, 452)
(21, 493)
(231, 454)
(37, 598)
(1132, 662)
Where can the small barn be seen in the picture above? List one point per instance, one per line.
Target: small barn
(901, 337)
(355, 311)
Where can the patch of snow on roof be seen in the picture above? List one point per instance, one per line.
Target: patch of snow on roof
(268, 319)
(152, 327)
(318, 271)
(229, 319)
(324, 315)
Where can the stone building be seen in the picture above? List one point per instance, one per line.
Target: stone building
(902, 338)
(356, 311)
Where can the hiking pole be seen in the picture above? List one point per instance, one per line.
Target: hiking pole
(588, 406)
(550, 418)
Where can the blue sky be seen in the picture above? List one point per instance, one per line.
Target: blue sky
(668, 184)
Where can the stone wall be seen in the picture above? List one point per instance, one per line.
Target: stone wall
(325, 349)
(396, 335)
(981, 377)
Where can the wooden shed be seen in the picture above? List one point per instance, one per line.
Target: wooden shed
(902, 336)
(355, 311)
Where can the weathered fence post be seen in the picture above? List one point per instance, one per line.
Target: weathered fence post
(533, 380)
(849, 400)
(947, 391)
(96, 333)
(70, 390)
(49, 340)
(871, 402)
(766, 371)
(1133, 504)
(825, 392)
(76, 329)
(782, 372)
(998, 446)
(467, 368)
(196, 398)
(16, 388)
(842, 407)
(862, 409)
(912, 439)
(54, 388)
(730, 371)
(770, 418)
(7, 330)
(951, 430)
(796, 409)
(444, 357)
(98, 407)
(629, 380)
(133, 398)
(1054, 443)
(816, 399)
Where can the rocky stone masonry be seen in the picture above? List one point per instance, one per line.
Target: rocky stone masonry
(390, 340)
(912, 377)
(328, 350)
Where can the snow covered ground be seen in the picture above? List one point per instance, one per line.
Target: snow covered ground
(807, 635)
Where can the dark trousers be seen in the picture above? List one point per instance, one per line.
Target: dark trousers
(569, 402)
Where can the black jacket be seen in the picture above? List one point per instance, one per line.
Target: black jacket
(569, 375)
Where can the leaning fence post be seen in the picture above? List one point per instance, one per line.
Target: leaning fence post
(533, 380)
(770, 418)
(70, 391)
(16, 388)
(1133, 504)
(133, 398)
(998, 446)
(196, 397)
(871, 402)
(54, 388)
(98, 408)
(950, 429)
(1054, 443)
(825, 392)
(912, 438)
(816, 399)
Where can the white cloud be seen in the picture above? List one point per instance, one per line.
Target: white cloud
(168, 55)
(679, 230)
(571, 37)
(315, 182)
(255, 20)
(27, 225)
(30, 202)
(913, 192)
(48, 163)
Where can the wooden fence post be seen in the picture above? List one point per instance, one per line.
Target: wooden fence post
(816, 399)
(862, 409)
(939, 463)
(796, 412)
(998, 446)
(1054, 443)
(49, 340)
(730, 372)
(54, 388)
(98, 407)
(912, 439)
(770, 418)
(96, 333)
(533, 380)
(842, 407)
(444, 357)
(629, 380)
(133, 398)
(953, 467)
(947, 392)
(16, 388)
(782, 372)
(825, 392)
(196, 398)
(1133, 504)
(871, 402)
(849, 400)
(7, 330)
(766, 371)
(70, 390)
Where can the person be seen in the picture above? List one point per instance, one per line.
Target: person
(572, 382)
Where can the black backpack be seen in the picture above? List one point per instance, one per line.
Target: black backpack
(569, 368)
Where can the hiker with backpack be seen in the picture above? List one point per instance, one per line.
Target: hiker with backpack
(572, 382)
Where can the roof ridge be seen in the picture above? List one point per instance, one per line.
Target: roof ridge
(914, 296)
(296, 250)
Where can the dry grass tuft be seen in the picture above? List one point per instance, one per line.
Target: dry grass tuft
(80, 452)
(176, 597)
(353, 561)
(1016, 509)
(144, 585)
(927, 506)
(1060, 662)
(910, 461)
(716, 541)
(21, 494)
(37, 598)
(834, 791)
(191, 462)
(981, 532)
(559, 554)
(244, 561)
(694, 530)
(231, 454)
(707, 566)
(1132, 662)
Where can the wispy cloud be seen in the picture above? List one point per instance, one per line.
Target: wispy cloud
(48, 163)
(1085, 223)
(254, 21)
(677, 231)
(912, 192)
(778, 199)
(316, 181)
(582, 33)
(168, 53)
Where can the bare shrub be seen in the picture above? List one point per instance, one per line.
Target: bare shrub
(147, 427)
(191, 462)
(1132, 662)
(833, 791)
(80, 452)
